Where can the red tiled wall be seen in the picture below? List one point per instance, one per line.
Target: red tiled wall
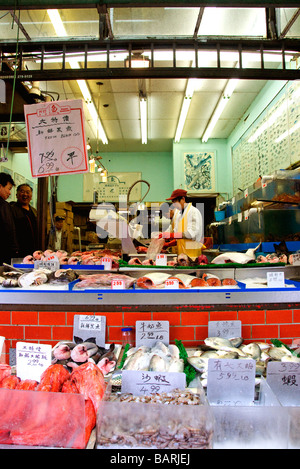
(189, 326)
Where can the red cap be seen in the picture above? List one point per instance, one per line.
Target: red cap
(177, 193)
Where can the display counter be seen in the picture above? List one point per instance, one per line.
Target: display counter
(46, 315)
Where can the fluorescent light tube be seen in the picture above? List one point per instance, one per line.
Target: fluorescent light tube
(229, 88)
(143, 111)
(184, 110)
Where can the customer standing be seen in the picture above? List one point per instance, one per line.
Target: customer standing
(59, 239)
(8, 238)
(25, 217)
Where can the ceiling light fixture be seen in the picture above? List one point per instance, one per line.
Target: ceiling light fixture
(222, 103)
(143, 111)
(61, 31)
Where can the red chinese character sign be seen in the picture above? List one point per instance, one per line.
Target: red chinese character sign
(56, 138)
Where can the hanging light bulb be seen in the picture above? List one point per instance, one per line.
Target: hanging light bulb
(92, 165)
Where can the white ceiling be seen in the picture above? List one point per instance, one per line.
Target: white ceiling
(117, 100)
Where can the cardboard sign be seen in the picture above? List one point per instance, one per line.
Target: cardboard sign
(275, 279)
(225, 329)
(32, 360)
(149, 332)
(51, 263)
(87, 326)
(150, 382)
(231, 382)
(284, 379)
(56, 138)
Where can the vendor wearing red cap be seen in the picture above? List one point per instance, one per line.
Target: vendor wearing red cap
(186, 226)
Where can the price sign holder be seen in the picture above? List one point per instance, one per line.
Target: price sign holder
(231, 382)
(32, 360)
(89, 326)
(150, 382)
(149, 332)
(275, 279)
(284, 380)
(225, 329)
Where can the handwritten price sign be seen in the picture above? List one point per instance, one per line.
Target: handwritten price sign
(150, 382)
(56, 138)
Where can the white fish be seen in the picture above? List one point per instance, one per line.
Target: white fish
(236, 257)
(157, 363)
(175, 364)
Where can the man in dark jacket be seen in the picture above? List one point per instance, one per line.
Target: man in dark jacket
(8, 238)
(25, 217)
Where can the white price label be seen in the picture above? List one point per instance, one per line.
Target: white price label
(144, 383)
(296, 258)
(32, 360)
(106, 262)
(117, 284)
(172, 283)
(246, 193)
(161, 259)
(51, 263)
(275, 279)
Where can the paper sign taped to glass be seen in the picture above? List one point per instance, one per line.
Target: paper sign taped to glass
(56, 138)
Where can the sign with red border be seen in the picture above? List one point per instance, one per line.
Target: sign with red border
(56, 138)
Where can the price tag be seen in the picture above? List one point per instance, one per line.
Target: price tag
(231, 382)
(89, 326)
(149, 332)
(233, 201)
(2, 339)
(51, 263)
(172, 283)
(225, 329)
(161, 259)
(106, 262)
(229, 220)
(275, 279)
(246, 193)
(296, 258)
(144, 383)
(32, 360)
(284, 379)
(240, 217)
(117, 284)
(246, 214)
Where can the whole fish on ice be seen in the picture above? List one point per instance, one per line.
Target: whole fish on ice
(236, 257)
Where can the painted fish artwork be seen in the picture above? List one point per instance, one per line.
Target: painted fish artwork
(199, 171)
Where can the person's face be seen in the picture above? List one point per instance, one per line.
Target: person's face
(59, 224)
(24, 195)
(178, 203)
(5, 190)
